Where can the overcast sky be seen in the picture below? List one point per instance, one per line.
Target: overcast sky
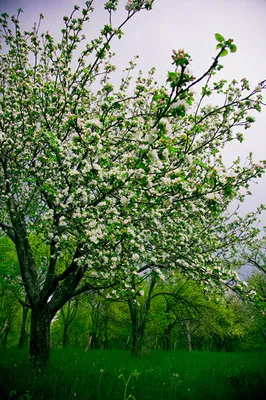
(175, 24)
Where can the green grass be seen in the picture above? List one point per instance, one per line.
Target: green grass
(74, 374)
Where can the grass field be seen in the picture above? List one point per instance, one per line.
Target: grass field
(74, 374)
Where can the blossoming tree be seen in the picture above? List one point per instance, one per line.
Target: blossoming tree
(101, 176)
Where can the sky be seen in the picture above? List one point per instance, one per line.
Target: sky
(180, 24)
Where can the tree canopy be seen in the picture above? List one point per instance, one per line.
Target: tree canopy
(113, 182)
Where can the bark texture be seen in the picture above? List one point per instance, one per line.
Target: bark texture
(23, 332)
(40, 338)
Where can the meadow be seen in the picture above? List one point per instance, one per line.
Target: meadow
(115, 375)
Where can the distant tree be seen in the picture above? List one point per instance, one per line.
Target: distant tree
(98, 310)
(11, 288)
(8, 313)
(68, 313)
(139, 314)
(257, 282)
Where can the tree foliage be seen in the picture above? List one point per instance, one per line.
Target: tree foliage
(112, 183)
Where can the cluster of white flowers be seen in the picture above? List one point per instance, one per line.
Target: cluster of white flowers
(155, 160)
(135, 257)
(97, 167)
(131, 5)
(168, 126)
(151, 137)
(73, 172)
(231, 174)
(95, 234)
(94, 122)
(213, 196)
(189, 158)
(135, 5)
(62, 221)
(124, 200)
(48, 215)
(2, 135)
(180, 103)
(166, 180)
(160, 274)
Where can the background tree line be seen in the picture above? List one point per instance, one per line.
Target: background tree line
(162, 315)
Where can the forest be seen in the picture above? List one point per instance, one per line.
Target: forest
(161, 314)
(122, 237)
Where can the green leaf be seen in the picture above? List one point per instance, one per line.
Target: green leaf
(172, 149)
(172, 77)
(233, 48)
(203, 165)
(219, 37)
(219, 46)
(224, 53)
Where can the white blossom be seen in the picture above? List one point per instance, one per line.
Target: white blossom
(135, 257)
(94, 122)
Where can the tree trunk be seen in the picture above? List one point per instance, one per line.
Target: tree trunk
(5, 336)
(136, 345)
(23, 332)
(94, 341)
(65, 336)
(167, 339)
(136, 329)
(68, 313)
(139, 320)
(40, 338)
(106, 339)
(155, 343)
(210, 343)
(4, 328)
(188, 334)
(127, 343)
(88, 344)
